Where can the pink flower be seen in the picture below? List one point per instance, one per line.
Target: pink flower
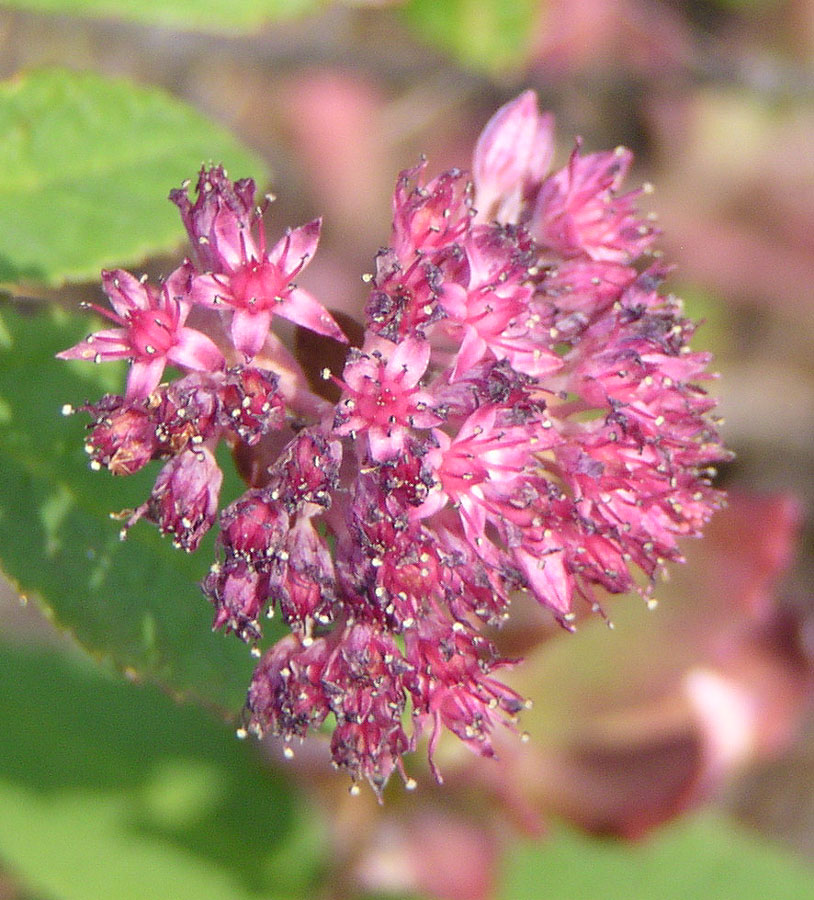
(578, 210)
(429, 222)
(122, 436)
(364, 682)
(382, 398)
(478, 470)
(151, 331)
(256, 283)
(287, 694)
(429, 218)
(451, 685)
(238, 591)
(511, 159)
(357, 676)
(184, 500)
(492, 315)
(524, 415)
(306, 583)
(223, 212)
(252, 405)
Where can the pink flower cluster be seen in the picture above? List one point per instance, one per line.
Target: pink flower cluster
(523, 415)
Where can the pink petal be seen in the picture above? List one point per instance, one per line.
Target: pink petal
(472, 350)
(126, 292)
(427, 417)
(384, 445)
(296, 247)
(195, 350)
(110, 343)
(548, 579)
(455, 300)
(144, 377)
(250, 329)
(303, 309)
(480, 422)
(176, 289)
(531, 360)
(410, 357)
(473, 519)
(209, 290)
(513, 152)
(233, 240)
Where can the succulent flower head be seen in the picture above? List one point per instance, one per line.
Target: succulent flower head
(524, 414)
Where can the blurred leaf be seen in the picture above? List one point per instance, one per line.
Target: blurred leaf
(113, 791)
(136, 602)
(190, 15)
(703, 857)
(86, 164)
(714, 334)
(489, 35)
(749, 6)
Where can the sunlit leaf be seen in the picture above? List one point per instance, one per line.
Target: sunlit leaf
(702, 857)
(490, 35)
(112, 790)
(86, 163)
(199, 15)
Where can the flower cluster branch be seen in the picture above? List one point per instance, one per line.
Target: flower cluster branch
(524, 414)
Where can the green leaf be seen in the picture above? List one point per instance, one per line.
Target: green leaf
(488, 35)
(86, 163)
(701, 857)
(135, 603)
(191, 15)
(110, 790)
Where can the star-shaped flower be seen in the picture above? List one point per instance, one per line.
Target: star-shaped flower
(150, 332)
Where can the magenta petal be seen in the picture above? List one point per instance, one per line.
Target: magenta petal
(410, 358)
(548, 578)
(513, 151)
(303, 309)
(144, 377)
(126, 292)
(250, 329)
(296, 247)
(472, 350)
(208, 290)
(383, 444)
(110, 343)
(195, 350)
(177, 287)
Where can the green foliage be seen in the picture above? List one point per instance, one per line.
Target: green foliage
(714, 334)
(749, 7)
(702, 857)
(86, 163)
(135, 603)
(489, 35)
(111, 790)
(192, 15)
